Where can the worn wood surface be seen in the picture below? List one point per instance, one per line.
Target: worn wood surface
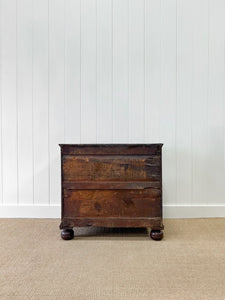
(155, 223)
(106, 185)
(114, 203)
(114, 149)
(111, 185)
(121, 167)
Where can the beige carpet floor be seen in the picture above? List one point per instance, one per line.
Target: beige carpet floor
(112, 264)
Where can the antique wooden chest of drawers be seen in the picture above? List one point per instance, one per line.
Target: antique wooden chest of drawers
(111, 185)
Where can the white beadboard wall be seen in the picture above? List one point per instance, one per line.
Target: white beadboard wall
(112, 71)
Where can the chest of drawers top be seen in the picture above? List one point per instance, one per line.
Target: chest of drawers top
(139, 149)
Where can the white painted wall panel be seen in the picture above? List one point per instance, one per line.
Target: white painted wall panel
(102, 71)
(72, 71)
(216, 103)
(136, 52)
(88, 71)
(168, 98)
(199, 97)
(152, 70)
(120, 110)
(184, 101)
(41, 101)
(1, 171)
(25, 100)
(9, 101)
(56, 93)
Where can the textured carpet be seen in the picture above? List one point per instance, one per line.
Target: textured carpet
(102, 264)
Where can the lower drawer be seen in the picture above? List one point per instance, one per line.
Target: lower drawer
(112, 203)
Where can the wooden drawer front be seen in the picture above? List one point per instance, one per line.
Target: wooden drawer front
(111, 168)
(113, 203)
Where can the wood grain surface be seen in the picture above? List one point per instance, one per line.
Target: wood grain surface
(111, 186)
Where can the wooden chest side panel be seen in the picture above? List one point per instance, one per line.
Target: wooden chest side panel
(112, 203)
(111, 168)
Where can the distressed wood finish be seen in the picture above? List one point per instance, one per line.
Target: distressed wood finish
(98, 167)
(112, 203)
(111, 185)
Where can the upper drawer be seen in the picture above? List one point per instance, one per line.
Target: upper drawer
(111, 168)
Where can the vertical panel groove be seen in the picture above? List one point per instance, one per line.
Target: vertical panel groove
(96, 71)
(1, 144)
(80, 69)
(32, 83)
(160, 74)
(128, 68)
(175, 133)
(17, 171)
(207, 103)
(191, 113)
(112, 75)
(144, 133)
(48, 103)
(64, 69)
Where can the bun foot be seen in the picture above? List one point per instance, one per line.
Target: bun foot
(156, 235)
(67, 234)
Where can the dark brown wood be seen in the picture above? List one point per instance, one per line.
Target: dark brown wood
(111, 149)
(156, 235)
(67, 234)
(99, 167)
(111, 186)
(106, 185)
(112, 222)
(111, 203)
